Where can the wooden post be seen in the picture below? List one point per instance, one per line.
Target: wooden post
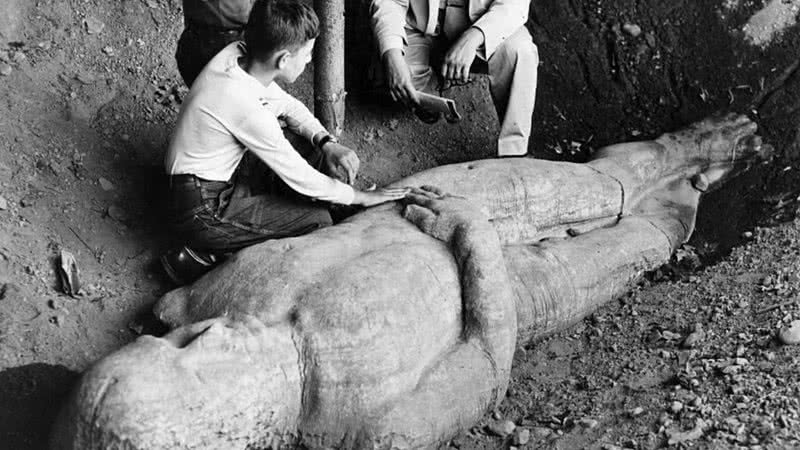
(329, 93)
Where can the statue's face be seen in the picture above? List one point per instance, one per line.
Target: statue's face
(218, 371)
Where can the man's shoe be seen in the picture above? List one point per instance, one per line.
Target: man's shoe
(184, 265)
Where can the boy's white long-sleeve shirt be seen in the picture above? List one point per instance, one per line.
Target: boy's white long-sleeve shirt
(228, 112)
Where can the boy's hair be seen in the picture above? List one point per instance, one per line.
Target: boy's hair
(276, 25)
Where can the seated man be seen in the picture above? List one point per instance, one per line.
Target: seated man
(234, 106)
(417, 37)
(209, 26)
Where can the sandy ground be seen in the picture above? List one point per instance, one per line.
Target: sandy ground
(88, 95)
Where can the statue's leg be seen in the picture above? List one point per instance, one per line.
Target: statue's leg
(720, 147)
(558, 282)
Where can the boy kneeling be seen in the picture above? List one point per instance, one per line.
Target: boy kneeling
(234, 106)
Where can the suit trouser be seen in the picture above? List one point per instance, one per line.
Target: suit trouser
(512, 69)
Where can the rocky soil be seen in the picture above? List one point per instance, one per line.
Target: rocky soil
(694, 357)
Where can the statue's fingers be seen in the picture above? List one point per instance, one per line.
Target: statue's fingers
(435, 190)
(420, 216)
(420, 199)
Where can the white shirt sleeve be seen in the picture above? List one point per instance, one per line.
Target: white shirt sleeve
(261, 133)
(299, 119)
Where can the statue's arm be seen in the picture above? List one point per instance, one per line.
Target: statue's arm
(473, 375)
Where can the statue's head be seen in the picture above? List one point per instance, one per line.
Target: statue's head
(235, 375)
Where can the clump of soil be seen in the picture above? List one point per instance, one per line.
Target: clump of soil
(89, 93)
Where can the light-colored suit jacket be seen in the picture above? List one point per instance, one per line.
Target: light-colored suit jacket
(497, 19)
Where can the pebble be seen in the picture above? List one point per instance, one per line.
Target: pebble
(522, 436)
(3, 203)
(541, 432)
(588, 423)
(502, 428)
(93, 26)
(695, 337)
(5, 69)
(676, 407)
(638, 411)
(632, 29)
(651, 39)
(790, 335)
(117, 213)
(17, 57)
(105, 184)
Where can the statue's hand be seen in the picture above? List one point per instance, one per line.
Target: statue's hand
(441, 215)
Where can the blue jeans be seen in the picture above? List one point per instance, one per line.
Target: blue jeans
(221, 217)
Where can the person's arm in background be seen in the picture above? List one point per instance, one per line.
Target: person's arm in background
(501, 20)
(388, 24)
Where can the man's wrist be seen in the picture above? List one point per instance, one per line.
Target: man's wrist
(392, 53)
(476, 35)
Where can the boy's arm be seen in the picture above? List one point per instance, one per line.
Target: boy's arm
(262, 135)
(340, 160)
(300, 120)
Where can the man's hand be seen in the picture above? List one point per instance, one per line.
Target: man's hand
(398, 77)
(377, 196)
(342, 162)
(459, 58)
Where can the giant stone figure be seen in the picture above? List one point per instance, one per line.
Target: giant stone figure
(396, 328)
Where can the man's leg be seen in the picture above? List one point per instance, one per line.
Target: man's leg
(418, 58)
(513, 70)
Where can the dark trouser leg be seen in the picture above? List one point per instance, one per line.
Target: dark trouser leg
(196, 48)
(206, 216)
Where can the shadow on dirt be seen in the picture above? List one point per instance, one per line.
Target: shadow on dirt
(30, 397)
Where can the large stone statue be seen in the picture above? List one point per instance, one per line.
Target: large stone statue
(373, 334)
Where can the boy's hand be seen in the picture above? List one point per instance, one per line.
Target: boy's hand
(376, 197)
(342, 162)
(398, 77)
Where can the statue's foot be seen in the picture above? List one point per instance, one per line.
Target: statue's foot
(731, 148)
(719, 139)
